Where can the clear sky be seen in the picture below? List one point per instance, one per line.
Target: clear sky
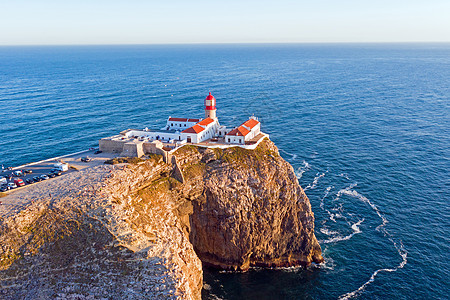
(31, 22)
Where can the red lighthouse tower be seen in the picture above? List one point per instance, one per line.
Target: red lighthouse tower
(210, 107)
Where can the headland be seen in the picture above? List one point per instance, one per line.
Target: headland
(145, 225)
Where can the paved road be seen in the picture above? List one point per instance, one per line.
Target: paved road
(46, 166)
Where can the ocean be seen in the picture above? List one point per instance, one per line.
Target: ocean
(365, 126)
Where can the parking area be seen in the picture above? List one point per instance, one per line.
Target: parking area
(45, 167)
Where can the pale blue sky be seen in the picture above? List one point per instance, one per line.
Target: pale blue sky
(25, 22)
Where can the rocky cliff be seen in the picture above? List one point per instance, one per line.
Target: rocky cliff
(131, 231)
(247, 208)
(96, 234)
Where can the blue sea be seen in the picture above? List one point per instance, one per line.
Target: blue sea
(365, 126)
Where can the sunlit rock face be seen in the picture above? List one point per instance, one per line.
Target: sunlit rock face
(143, 229)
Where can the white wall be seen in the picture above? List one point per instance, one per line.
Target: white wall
(209, 132)
(234, 139)
(165, 136)
(254, 132)
(177, 125)
(193, 136)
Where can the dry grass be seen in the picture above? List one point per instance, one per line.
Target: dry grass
(121, 160)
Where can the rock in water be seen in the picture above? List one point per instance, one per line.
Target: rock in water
(131, 231)
(248, 208)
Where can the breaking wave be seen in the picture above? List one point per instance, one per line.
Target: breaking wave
(302, 169)
(401, 251)
(352, 193)
(313, 185)
(349, 191)
(327, 192)
(293, 155)
(355, 228)
(325, 230)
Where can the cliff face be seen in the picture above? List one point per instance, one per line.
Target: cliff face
(97, 236)
(131, 231)
(248, 208)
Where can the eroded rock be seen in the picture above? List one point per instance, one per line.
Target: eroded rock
(130, 231)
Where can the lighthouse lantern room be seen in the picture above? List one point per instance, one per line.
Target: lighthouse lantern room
(210, 107)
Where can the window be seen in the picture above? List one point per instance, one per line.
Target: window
(171, 124)
(184, 125)
(229, 140)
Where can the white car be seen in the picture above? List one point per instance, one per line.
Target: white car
(44, 177)
(12, 185)
(18, 173)
(3, 180)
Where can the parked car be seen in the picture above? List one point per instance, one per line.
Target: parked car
(28, 171)
(12, 185)
(44, 177)
(51, 175)
(57, 172)
(17, 173)
(29, 180)
(86, 159)
(3, 180)
(19, 182)
(4, 188)
(98, 152)
(37, 178)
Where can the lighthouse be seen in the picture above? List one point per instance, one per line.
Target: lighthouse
(210, 107)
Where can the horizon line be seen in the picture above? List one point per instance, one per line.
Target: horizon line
(226, 43)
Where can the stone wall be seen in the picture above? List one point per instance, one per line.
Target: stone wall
(110, 146)
(133, 149)
(156, 147)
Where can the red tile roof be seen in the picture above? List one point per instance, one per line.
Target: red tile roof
(184, 120)
(250, 123)
(239, 131)
(205, 122)
(178, 119)
(194, 129)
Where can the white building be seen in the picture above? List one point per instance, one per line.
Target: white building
(180, 123)
(179, 131)
(244, 133)
(203, 130)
